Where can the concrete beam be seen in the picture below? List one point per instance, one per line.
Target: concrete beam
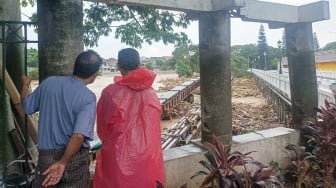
(250, 10)
(280, 14)
(180, 5)
(314, 12)
(227, 4)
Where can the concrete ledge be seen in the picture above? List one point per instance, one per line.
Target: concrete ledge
(183, 162)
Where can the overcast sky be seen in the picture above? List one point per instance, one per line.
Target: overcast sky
(241, 33)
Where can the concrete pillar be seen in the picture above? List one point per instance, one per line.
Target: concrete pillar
(60, 27)
(302, 73)
(215, 73)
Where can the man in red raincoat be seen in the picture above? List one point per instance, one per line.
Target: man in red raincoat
(128, 124)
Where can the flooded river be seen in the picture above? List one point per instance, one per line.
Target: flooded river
(107, 78)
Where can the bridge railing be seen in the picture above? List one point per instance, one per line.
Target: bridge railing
(330, 75)
(280, 82)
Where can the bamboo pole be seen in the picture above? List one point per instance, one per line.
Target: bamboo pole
(15, 98)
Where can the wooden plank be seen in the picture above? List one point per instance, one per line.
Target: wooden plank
(19, 140)
(15, 98)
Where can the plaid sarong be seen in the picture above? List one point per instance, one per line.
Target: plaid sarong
(76, 174)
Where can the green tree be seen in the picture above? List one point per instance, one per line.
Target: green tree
(182, 69)
(131, 24)
(32, 63)
(272, 57)
(283, 42)
(149, 65)
(248, 51)
(171, 64)
(32, 57)
(159, 63)
(315, 42)
(194, 59)
(239, 66)
(135, 25)
(164, 66)
(251, 53)
(188, 54)
(330, 46)
(25, 3)
(262, 48)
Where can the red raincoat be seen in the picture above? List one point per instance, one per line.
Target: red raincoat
(128, 124)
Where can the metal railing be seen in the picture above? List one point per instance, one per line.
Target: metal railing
(13, 32)
(326, 82)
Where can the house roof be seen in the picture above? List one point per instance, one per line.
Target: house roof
(110, 60)
(320, 57)
(323, 58)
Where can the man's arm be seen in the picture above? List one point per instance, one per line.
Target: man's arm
(56, 170)
(25, 86)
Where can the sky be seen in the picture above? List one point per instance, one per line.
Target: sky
(241, 33)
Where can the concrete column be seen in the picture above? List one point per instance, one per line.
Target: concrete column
(60, 27)
(302, 73)
(215, 73)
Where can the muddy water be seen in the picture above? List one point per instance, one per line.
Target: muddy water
(107, 78)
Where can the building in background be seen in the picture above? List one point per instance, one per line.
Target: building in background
(325, 61)
(109, 65)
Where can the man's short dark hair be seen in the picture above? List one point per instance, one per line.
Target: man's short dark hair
(128, 59)
(87, 63)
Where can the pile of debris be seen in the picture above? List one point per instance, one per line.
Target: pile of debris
(250, 110)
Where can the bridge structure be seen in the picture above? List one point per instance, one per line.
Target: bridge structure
(171, 98)
(274, 85)
(276, 88)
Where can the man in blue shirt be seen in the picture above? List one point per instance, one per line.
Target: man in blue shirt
(67, 112)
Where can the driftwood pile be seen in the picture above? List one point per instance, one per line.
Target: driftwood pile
(184, 130)
(250, 112)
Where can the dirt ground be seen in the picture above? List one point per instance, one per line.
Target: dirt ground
(250, 110)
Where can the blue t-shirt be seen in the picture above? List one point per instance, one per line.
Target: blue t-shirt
(65, 106)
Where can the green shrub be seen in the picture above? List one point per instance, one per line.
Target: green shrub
(33, 73)
(314, 163)
(183, 69)
(229, 170)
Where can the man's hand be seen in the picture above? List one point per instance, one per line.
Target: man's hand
(25, 80)
(53, 174)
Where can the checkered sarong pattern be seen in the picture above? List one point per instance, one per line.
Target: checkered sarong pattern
(76, 174)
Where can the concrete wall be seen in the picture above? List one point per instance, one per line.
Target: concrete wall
(183, 162)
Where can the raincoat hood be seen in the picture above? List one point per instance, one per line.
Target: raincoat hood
(138, 79)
